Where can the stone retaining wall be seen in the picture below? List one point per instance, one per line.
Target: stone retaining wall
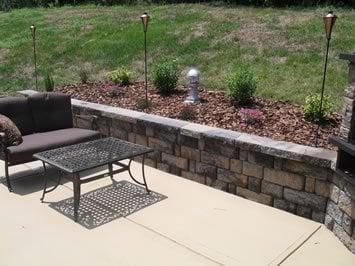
(298, 179)
(340, 212)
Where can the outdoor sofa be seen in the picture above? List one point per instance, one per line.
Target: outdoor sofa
(45, 122)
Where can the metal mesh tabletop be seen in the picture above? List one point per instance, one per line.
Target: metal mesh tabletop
(88, 155)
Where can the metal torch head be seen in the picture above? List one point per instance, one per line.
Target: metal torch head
(33, 30)
(329, 21)
(145, 20)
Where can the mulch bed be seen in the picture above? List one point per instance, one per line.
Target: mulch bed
(279, 120)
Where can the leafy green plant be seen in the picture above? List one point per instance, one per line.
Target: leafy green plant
(311, 108)
(242, 86)
(187, 113)
(114, 93)
(48, 83)
(165, 76)
(121, 76)
(84, 75)
(143, 104)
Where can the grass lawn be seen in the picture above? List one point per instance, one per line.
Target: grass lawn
(284, 47)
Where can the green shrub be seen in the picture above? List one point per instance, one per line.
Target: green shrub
(242, 86)
(84, 75)
(165, 76)
(187, 113)
(48, 83)
(312, 105)
(121, 76)
(114, 92)
(143, 104)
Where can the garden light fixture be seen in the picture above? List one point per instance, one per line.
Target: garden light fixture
(33, 33)
(194, 79)
(329, 21)
(145, 19)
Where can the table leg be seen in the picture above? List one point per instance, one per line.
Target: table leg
(110, 169)
(143, 174)
(45, 179)
(45, 191)
(76, 188)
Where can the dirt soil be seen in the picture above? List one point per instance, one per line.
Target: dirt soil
(278, 120)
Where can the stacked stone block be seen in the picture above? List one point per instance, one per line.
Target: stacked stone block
(348, 122)
(340, 213)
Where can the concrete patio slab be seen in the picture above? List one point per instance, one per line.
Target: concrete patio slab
(195, 225)
(222, 226)
(34, 234)
(322, 248)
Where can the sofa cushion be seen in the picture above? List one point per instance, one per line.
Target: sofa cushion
(50, 111)
(18, 110)
(12, 133)
(38, 142)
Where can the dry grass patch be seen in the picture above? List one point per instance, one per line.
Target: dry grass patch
(24, 71)
(278, 59)
(4, 52)
(196, 31)
(65, 19)
(290, 18)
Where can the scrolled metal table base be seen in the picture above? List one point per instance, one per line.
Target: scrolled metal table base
(45, 191)
(77, 181)
(143, 175)
(128, 168)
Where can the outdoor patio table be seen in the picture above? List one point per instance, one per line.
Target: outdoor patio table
(75, 159)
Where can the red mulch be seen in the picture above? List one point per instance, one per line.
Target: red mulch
(279, 120)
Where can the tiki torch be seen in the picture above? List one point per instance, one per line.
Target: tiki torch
(145, 20)
(329, 21)
(33, 33)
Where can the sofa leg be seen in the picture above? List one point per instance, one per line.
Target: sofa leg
(7, 176)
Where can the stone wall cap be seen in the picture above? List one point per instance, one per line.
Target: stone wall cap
(223, 133)
(315, 156)
(27, 92)
(156, 119)
(288, 150)
(195, 130)
(110, 111)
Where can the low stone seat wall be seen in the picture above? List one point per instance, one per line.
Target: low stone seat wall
(295, 178)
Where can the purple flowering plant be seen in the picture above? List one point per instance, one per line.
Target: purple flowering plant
(250, 116)
(113, 90)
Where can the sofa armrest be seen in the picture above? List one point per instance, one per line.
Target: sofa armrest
(91, 118)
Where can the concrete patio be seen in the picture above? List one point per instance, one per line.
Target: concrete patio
(194, 225)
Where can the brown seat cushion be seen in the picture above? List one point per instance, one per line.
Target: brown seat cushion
(18, 110)
(12, 133)
(50, 111)
(48, 140)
